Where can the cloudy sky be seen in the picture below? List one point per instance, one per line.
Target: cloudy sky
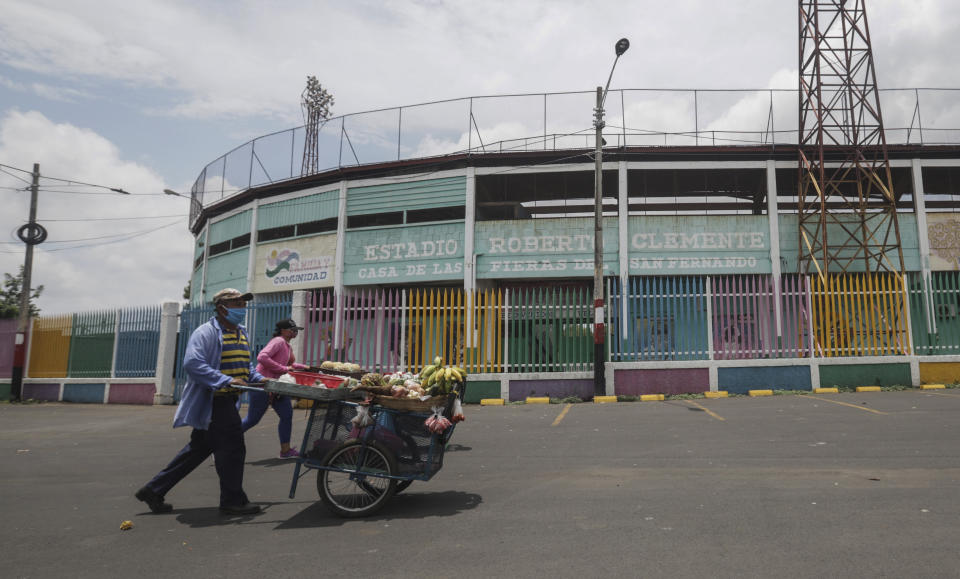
(140, 95)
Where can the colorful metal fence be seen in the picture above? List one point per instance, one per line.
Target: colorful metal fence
(483, 348)
(100, 344)
(391, 330)
(50, 346)
(859, 315)
(8, 336)
(935, 313)
(319, 329)
(745, 317)
(138, 338)
(91, 344)
(658, 318)
(549, 329)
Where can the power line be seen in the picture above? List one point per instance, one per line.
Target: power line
(16, 169)
(68, 182)
(118, 218)
(12, 175)
(107, 236)
(43, 190)
(75, 182)
(128, 237)
(120, 237)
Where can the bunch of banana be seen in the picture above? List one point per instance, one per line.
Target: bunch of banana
(439, 379)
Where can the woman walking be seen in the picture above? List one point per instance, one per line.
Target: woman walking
(275, 360)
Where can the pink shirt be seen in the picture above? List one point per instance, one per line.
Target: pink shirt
(274, 358)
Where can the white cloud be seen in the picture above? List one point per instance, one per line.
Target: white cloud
(253, 58)
(749, 119)
(47, 91)
(245, 63)
(144, 269)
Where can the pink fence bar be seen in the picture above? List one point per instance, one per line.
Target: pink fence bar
(8, 335)
(370, 329)
(745, 317)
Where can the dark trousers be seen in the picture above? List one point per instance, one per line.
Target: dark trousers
(259, 401)
(223, 439)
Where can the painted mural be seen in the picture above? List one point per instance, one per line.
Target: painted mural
(943, 230)
(295, 264)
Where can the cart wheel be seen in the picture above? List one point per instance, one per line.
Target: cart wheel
(356, 495)
(403, 484)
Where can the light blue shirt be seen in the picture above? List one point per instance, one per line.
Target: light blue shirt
(201, 362)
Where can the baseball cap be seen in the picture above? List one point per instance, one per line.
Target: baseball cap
(231, 294)
(288, 324)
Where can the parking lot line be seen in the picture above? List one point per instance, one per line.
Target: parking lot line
(705, 409)
(846, 404)
(942, 394)
(561, 415)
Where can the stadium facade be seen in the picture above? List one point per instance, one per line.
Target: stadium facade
(700, 245)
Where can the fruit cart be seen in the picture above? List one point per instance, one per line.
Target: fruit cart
(364, 452)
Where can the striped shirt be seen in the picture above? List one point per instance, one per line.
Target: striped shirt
(235, 359)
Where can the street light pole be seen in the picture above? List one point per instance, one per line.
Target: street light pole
(599, 331)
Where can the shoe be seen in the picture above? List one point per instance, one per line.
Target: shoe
(153, 500)
(245, 509)
(292, 453)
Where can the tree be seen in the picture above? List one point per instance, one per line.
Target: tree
(10, 296)
(186, 290)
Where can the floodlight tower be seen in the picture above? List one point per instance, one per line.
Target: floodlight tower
(315, 102)
(847, 205)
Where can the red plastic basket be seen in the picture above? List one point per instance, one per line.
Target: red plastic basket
(310, 378)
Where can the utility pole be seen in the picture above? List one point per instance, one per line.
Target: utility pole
(599, 374)
(32, 233)
(599, 331)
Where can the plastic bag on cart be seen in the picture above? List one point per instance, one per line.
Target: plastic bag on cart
(457, 412)
(437, 422)
(362, 418)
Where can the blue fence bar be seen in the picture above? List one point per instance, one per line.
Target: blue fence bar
(666, 319)
(137, 342)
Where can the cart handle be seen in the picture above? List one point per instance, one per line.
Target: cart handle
(250, 388)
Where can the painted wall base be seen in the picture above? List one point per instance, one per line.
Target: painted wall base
(90, 391)
(623, 378)
(940, 372)
(734, 376)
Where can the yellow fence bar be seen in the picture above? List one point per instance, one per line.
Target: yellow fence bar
(50, 347)
(860, 315)
(437, 326)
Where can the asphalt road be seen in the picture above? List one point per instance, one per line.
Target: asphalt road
(848, 485)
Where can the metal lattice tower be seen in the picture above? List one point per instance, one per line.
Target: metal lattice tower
(315, 102)
(847, 205)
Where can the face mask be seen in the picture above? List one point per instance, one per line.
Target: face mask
(235, 315)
